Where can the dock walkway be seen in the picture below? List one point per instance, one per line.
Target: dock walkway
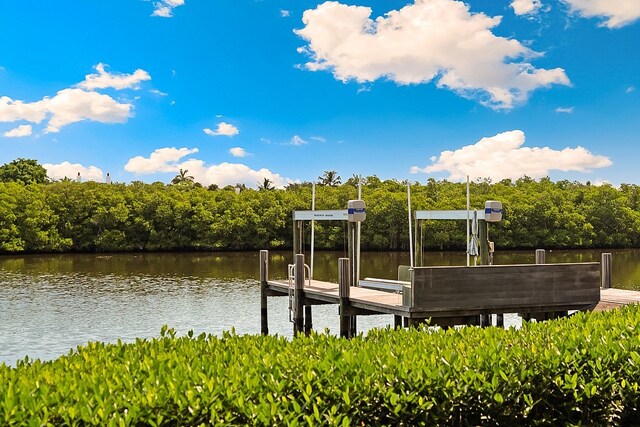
(443, 294)
(614, 298)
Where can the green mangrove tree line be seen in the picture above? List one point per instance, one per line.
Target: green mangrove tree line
(41, 216)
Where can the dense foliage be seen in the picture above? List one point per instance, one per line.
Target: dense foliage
(579, 371)
(24, 171)
(62, 216)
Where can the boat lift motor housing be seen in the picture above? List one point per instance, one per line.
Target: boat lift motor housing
(356, 210)
(492, 211)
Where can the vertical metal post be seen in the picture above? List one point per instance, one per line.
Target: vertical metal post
(468, 219)
(298, 295)
(540, 256)
(344, 291)
(353, 258)
(605, 271)
(264, 277)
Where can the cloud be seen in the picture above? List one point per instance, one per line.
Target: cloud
(224, 129)
(566, 110)
(438, 41)
(19, 132)
(502, 156)
(284, 13)
(66, 107)
(78, 103)
(525, 7)
(630, 89)
(158, 92)
(103, 79)
(166, 160)
(238, 152)
(297, 140)
(70, 170)
(164, 8)
(161, 160)
(616, 13)
(75, 105)
(13, 110)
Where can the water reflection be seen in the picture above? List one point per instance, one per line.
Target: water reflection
(50, 304)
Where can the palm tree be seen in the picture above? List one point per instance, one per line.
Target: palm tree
(239, 188)
(330, 178)
(182, 178)
(267, 184)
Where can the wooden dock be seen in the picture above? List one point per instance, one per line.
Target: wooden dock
(450, 296)
(614, 298)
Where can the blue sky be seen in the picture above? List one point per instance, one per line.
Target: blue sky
(238, 90)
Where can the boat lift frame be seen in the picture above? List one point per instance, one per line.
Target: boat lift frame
(299, 217)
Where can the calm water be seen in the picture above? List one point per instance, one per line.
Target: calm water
(51, 304)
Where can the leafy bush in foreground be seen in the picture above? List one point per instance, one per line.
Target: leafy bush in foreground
(583, 370)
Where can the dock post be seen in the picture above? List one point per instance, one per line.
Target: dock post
(605, 271)
(397, 321)
(344, 284)
(264, 277)
(308, 320)
(540, 256)
(298, 307)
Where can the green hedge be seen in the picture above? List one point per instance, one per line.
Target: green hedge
(579, 371)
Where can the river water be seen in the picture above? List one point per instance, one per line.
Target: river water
(50, 304)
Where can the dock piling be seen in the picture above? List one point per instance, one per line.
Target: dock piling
(540, 256)
(605, 271)
(264, 278)
(344, 290)
(298, 296)
(308, 320)
(397, 322)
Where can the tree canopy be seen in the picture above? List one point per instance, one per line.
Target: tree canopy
(90, 216)
(23, 171)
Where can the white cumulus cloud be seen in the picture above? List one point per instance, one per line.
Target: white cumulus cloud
(164, 8)
(526, 7)
(161, 160)
(284, 13)
(19, 132)
(438, 41)
(223, 129)
(566, 110)
(75, 105)
(66, 107)
(616, 13)
(104, 79)
(297, 140)
(13, 110)
(238, 152)
(503, 156)
(168, 160)
(71, 170)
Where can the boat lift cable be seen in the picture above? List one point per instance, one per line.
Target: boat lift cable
(358, 233)
(410, 233)
(468, 219)
(313, 228)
